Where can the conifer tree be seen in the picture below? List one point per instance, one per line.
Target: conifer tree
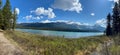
(115, 20)
(0, 3)
(119, 19)
(14, 18)
(116, 17)
(7, 15)
(108, 29)
(1, 16)
(7, 19)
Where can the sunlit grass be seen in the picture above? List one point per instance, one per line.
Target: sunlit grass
(48, 45)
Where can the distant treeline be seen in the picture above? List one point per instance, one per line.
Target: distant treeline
(113, 21)
(7, 17)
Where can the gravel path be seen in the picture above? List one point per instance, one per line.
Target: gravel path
(7, 48)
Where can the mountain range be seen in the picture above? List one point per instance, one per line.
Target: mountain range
(62, 26)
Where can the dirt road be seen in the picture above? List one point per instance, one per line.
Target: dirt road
(7, 48)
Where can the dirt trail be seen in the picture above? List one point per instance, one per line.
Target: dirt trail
(7, 48)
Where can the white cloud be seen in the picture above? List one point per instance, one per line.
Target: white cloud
(92, 14)
(67, 22)
(46, 21)
(28, 17)
(17, 11)
(101, 22)
(42, 11)
(114, 0)
(68, 5)
(37, 17)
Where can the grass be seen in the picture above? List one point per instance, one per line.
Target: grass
(115, 48)
(43, 45)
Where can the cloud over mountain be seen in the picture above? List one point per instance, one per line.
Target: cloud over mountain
(64, 21)
(101, 22)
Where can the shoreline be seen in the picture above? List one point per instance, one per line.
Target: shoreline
(57, 30)
(61, 34)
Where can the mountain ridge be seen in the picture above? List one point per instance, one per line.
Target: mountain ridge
(62, 26)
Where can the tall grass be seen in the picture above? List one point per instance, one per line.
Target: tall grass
(48, 45)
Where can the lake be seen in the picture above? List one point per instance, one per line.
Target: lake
(61, 33)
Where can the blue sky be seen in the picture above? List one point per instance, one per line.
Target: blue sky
(83, 11)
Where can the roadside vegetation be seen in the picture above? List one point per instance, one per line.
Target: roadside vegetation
(42, 45)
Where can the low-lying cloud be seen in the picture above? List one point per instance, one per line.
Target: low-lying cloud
(101, 22)
(64, 21)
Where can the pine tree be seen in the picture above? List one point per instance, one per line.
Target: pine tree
(119, 3)
(7, 19)
(7, 15)
(1, 16)
(0, 4)
(115, 20)
(108, 29)
(119, 19)
(14, 19)
(116, 16)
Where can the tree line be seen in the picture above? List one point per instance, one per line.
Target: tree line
(113, 21)
(7, 17)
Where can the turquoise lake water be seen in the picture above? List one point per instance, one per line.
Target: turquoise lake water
(61, 33)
